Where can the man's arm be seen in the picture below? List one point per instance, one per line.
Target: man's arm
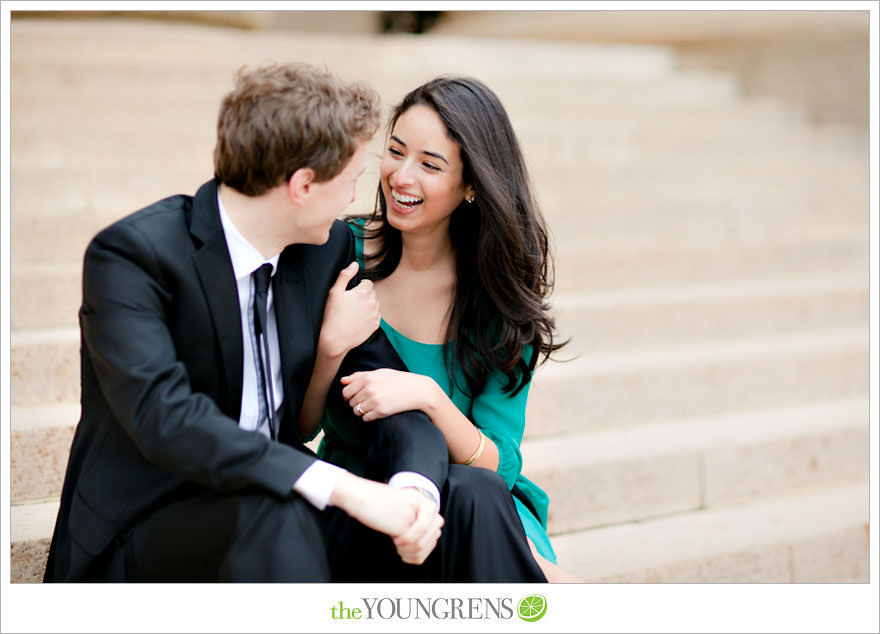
(128, 293)
(406, 515)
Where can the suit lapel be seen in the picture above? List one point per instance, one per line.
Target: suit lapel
(297, 335)
(215, 272)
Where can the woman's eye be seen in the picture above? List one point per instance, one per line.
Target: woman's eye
(395, 151)
(431, 166)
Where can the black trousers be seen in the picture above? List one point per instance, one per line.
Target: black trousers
(230, 538)
(261, 538)
(482, 540)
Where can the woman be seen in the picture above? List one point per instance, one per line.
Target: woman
(457, 253)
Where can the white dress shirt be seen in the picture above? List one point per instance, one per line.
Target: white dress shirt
(317, 482)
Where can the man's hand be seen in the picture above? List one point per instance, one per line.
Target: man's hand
(410, 518)
(419, 540)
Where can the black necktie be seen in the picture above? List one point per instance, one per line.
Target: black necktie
(261, 296)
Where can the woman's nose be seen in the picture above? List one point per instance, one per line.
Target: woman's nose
(403, 174)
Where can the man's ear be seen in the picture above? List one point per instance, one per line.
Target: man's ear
(300, 185)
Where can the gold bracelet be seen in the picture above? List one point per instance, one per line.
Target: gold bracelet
(479, 450)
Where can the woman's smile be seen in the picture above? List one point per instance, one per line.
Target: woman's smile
(404, 203)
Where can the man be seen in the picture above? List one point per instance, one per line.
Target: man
(200, 320)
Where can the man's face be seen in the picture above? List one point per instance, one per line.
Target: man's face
(329, 199)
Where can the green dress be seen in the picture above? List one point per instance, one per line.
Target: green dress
(499, 416)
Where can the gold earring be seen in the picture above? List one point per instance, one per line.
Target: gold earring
(469, 197)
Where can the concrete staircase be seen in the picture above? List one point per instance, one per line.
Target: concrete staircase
(708, 421)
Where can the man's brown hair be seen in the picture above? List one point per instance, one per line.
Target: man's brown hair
(281, 118)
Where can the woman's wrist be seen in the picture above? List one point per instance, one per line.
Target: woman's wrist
(329, 349)
(432, 398)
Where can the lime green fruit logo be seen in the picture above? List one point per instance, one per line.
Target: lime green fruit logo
(532, 608)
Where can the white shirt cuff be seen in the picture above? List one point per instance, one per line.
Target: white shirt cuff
(317, 483)
(405, 479)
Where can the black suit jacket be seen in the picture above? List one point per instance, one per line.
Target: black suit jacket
(162, 380)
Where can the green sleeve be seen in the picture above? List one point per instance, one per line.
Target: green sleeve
(502, 418)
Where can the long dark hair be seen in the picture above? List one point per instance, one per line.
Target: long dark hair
(503, 266)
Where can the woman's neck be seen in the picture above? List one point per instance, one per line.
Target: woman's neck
(425, 251)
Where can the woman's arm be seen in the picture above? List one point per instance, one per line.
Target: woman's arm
(350, 317)
(498, 415)
(380, 393)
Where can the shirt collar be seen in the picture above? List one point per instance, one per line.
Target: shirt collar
(245, 257)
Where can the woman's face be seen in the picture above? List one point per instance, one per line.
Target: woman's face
(421, 172)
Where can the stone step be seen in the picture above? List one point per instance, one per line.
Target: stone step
(627, 119)
(54, 226)
(594, 478)
(616, 184)
(597, 321)
(167, 45)
(30, 531)
(48, 296)
(44, 367)
(598, 75)
(45, 296)
(751, 123)
(592, 251)
(584, 263)
(683, 379)
(49, 142)
(713, 201)
(618, 187)
(815, 537)
(649, 25)
(624, 246)
(195, 89)
(39, 442)
(614, 390)
(46, 136)
(391, 62)
(607, 477)
(125, 145)
(581, 162)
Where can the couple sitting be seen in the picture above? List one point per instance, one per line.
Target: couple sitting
(221, 331)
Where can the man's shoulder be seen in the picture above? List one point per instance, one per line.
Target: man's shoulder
(322, 262)
(156, 217)
(159, 231)
(160, 220)
(340, 232)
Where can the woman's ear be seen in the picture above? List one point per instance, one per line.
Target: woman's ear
(469, 193)
(299, 185)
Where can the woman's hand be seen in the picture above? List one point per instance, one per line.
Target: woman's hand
(381, 393)
(350, 316)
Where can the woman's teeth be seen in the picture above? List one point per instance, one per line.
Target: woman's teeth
(403, 199)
